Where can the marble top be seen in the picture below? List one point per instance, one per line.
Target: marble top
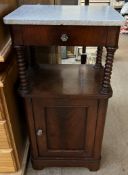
(64, 15)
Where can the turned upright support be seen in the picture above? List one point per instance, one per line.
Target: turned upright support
(20, 50)
(108, 70)
(98, 64)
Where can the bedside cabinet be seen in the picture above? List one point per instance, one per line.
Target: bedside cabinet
(65, 104)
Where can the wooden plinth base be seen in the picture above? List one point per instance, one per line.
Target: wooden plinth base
(92, 165)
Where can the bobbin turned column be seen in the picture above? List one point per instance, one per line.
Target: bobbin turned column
(20, 51)
(108, 70)
(98, 64)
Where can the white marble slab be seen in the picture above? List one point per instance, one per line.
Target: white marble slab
(64, 15)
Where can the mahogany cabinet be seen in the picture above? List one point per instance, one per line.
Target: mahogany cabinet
(65, 104)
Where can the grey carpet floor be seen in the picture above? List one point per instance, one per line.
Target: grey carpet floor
(115, 143)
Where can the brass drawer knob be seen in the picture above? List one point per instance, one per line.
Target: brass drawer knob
(64, 37)
(39, 132)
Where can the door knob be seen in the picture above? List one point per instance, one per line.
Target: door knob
(39, 132)
(64, 37)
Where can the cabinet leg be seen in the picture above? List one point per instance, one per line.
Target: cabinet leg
(20, 51)
(108, 70)
(98, 64)
(94, 169)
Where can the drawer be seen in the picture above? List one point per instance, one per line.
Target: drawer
(7, 163)
(4, 135)
(60, 35)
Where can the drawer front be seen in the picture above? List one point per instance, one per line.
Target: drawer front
(60, 35)
(64, 35)
(4, 135)
(7, 161)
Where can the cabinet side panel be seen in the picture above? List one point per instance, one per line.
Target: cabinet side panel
(31, 126)
(102, 109)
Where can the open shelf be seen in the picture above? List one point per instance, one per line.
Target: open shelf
(67, 80)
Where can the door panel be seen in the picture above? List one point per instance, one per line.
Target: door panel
(67, 127)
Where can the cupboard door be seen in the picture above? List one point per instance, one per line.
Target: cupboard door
(65, 128)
